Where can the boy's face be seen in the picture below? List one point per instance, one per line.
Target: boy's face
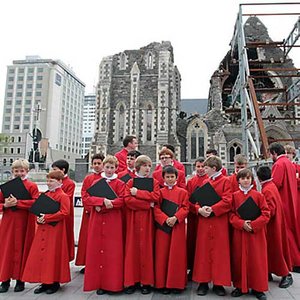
(165, 160)
(290, 156)
(210, 170)
(109, 169)
(245, 182)
(133, 145)
(238, 167)
(170, 179)
(97, 165)
(145, 169)
(130, 162)
(199, 167)
(19, 172)
(52, 183)
(58, 169)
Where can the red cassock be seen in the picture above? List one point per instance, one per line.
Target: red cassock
(105, 248)
(235, 184)
(48, 259)
(279, 258)
(284, 177)
(249, 250)
(17, 231)
(83, 233)
(176, 164)
(180, 178)
(170, 250)
(192, 220)
(212, 255)
(69, 188)
(127, 171)
(122, 158)
(139, 247)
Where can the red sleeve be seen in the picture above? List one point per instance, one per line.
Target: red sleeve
(120, 191)
(1, 201)
(181, 180)
(63, 211)
(270, 201)
(234, 219)
(263, 219)
(159, 216)
(277, 175)
(183, 211)
(33, 191)
(224, 205)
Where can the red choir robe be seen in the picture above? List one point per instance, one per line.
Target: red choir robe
(192, 220)
(83, 233)
(176, 164)
(69, 188)
(17, 231)
(212, 254)
(122, 159)
(284, 177)
(235, 184)
(279, 258)
(249, 259)
(48, 259)
(105, 248)
(224, 171)
(139, 246)
(170, 250)
(127, 171)
(180, 178)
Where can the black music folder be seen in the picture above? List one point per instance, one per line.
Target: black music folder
(169, 208)
(102, 189)
(249, 210)
(125, 178)
(16, 188)
(145, 184)
(205, 195)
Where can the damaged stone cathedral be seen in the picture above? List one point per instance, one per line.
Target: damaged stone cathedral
(139, 93)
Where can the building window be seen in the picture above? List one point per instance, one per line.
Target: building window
(38, 94)
(12, 139)
(12, 150)
(196, 139)
(19, 139)
(4, 161)
(18, 110)
(40, 70)
(19, 94)
(28, 94)
(10, 86)
(11, 71)
(16, 127)
(39, 85)
(5, 150)
(10, 78)
(28, 102)
(11, 160)
(20, 78)
(123, 61)
(18, 102)
(149, 123)
(26, 126)
(39, 77)
(30, 70)
(19, 86)
(9, 94)
(6, 127)
(149, 64)
(233, 151)
(18, 150)
(21, 70)
(121, 122)
(29, 85)
(29, 77)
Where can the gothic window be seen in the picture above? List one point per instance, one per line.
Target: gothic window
(150, 61)
(121, 122)
(233, 151)
(197, 142)
(149, 115)
(123, 61)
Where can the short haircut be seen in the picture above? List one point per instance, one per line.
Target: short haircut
(240, 159)
(128, 139)
(55, 174)
(141, 160)
(98, 156)
(290, 149)
(170, 147)
(110, 159)
(166, 151)
(213, 161)
(169, 170)
(244, 173)
(264, 173)
(61, 164)
(276, 148)
(20, 163)
(200, 160)
(134, 153)
(212, 151)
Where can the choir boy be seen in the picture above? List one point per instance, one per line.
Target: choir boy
(131, 157)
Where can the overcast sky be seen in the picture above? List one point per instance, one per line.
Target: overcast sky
(81, 33)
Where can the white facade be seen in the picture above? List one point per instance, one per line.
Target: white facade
(88, 123)
(47, 94)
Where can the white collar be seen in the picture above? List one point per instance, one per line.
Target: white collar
(139, 175)
(265, 181)
(217, 174)
(130, 170)
(66, 175)
(281, 155)
(97, 173)
(200, 175)
(55, 188)
(170, 187)
(244, 190)
(114, 176)
(26, 177)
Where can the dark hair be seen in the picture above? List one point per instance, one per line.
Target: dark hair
(264, 173)
(98, 156)
(212, 151)
(170, 147)
(200, 160)
(276, 148)
(169, 170)
(128, 139)
(61, 164)
(134, 153)
(244, 173)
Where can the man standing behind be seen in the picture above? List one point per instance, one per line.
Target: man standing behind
(284, 177)
(130, 143)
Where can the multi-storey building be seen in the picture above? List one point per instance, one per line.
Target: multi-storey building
(88, 123)
(43, 94)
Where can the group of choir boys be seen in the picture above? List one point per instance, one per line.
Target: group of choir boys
(131, 242)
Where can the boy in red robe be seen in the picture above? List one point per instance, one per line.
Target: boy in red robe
(68, 186)
(139, 247)
(104, 252)
(131, 157)
(170, 252)
(16, 230)
(192, 218)
(97, 167)
(249, 244)
(48, 259)
(279, 258)
(213, 152)
(212, 255)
